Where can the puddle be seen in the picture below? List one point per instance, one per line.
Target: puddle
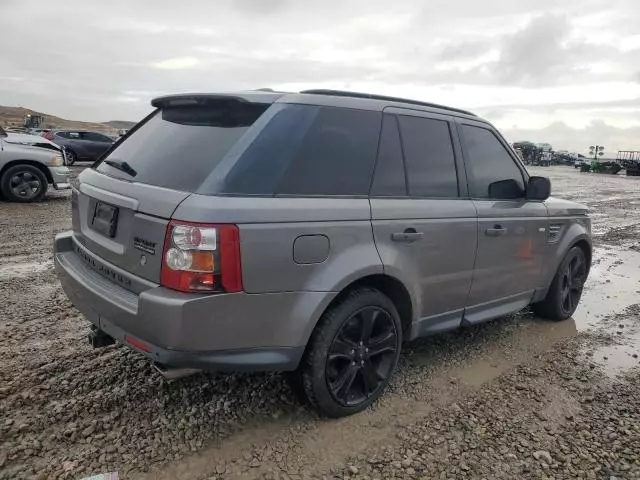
(530, 338)
(612, 286)
(14, 270)
(616, 359)
(621, 334)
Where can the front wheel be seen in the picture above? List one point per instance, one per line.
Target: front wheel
(566, 288)
(23, 183)
(352, 353)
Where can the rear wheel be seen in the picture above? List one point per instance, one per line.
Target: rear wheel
(352, 353)
(70, 157)
(566, 289)
(23, 183)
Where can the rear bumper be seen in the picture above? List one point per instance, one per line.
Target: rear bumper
(243, 359)
(239, 331)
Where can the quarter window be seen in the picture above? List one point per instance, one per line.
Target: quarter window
(389, 180)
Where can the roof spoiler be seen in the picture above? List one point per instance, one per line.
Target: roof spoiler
(190, 99)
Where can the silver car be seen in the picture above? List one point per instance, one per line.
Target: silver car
(312, 232)
(27, 170)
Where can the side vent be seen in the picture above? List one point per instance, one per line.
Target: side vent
(554, 233)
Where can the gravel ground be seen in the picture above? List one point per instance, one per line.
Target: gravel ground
(514, 398)
(557, 417)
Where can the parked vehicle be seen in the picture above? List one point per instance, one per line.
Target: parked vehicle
(26, 171)
(315, 233)
(630, 160)
(545, 151)
(36, 141)
(33, 140)
(600, 165)
(81, 145)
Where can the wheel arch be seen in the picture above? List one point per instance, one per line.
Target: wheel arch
(586, 248)
(386, 284)
(579, 238)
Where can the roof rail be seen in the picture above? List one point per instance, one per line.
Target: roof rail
(341, 93)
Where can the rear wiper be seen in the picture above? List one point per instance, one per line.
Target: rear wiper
(122, 166)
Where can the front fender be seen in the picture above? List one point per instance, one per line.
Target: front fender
(578, 232)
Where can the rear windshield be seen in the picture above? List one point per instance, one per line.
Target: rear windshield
(178, 147)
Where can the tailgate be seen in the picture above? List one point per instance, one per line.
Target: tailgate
(124, 223)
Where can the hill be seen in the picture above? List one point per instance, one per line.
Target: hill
(119, 124)
(13, 117)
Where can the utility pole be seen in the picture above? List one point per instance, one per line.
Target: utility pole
(595, 150)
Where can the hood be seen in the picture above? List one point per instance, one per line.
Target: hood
(29, 152)
(34, 140)
(558, 207)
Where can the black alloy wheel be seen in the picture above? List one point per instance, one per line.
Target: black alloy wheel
(361, 356)
(352, 353)
(566, 288)
(573, 278)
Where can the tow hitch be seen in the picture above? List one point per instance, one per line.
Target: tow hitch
(98, 338)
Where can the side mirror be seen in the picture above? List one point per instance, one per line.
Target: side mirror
(505, 189)
(538, 188)
(3, 133)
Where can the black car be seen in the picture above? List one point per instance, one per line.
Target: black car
(80, 145)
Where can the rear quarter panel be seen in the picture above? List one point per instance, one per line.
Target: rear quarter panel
(269, 228)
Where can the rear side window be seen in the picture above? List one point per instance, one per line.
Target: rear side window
(178, 147)
(309, 150)
(429, 157)
(96, 137)
(489, 162)
(71, 135)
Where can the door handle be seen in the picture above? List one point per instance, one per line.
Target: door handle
(408, 236)
(496, 231)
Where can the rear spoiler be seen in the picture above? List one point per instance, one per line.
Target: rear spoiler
(192, 99)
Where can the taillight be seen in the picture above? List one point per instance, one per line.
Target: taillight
(48, 135)
(201, 258)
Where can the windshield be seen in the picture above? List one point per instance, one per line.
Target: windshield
(178, 147)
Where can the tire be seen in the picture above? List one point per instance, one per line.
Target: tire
(70, 157)
(23, 184)
(352, 353)
(566, 288)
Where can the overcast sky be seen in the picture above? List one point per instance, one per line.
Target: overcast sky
(564, 71)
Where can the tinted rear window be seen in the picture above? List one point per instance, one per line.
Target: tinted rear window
(429, 157)
(309, 150)
(178, 147)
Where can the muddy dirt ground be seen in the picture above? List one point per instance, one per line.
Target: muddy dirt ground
(515, 398)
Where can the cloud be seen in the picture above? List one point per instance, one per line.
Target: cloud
(457, 50)
(177, 63)
(537, 52)
(563, 137)
(526, 63)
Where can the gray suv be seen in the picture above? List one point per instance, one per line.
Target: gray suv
(312, 232)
